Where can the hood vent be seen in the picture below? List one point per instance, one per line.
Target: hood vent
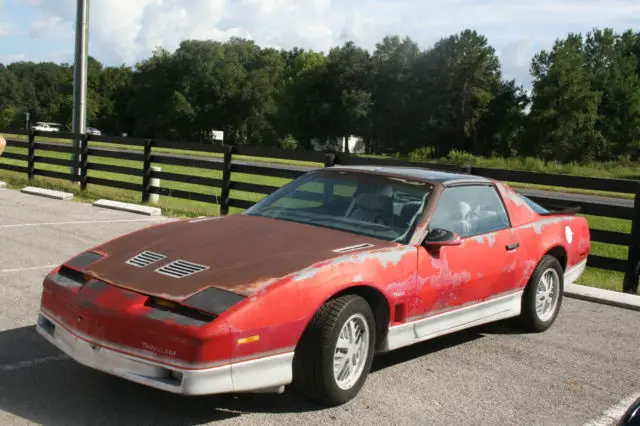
(353, 248)
(145, 258)
(181, 269)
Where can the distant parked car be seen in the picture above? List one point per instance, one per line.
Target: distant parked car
(93, 131)
(47, 127)
(304, 287)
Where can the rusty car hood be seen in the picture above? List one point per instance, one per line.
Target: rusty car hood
(240, 252)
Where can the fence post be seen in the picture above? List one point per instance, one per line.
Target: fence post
(154, 182)
(31, 155)
(329, 160)
(467, 169)
(84, 161)
(146, 170)
(632, 273)
(226, 181)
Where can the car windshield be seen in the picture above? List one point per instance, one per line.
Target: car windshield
(381, 207)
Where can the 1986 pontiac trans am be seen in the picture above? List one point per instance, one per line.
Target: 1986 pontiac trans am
(304, 287)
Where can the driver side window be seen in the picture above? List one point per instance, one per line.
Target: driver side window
(470, 210)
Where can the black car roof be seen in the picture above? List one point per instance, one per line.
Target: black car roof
(444, 178)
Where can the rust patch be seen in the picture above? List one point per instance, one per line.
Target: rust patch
(241, 251)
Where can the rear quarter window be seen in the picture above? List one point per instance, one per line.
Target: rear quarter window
(535, 206)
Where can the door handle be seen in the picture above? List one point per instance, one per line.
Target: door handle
(511, 247)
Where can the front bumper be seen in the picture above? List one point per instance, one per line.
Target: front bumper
(267, 373)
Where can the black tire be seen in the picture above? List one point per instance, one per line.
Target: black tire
(529, 318)
(313, 375)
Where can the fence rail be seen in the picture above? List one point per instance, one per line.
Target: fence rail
(148, 153)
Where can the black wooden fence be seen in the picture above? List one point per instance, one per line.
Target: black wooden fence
(143, 150)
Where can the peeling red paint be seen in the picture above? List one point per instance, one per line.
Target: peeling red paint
(287, 271)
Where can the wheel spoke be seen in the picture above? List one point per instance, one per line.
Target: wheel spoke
(547, 293)
(350, 352)
(344, 370)
(343, 344)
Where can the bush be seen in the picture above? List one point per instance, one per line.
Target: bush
(461, 158)
(421, 154)
(289, 143)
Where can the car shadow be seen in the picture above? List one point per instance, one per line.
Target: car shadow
(40, 384)
(429, 347)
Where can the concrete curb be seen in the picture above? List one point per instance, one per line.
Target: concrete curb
(605, 297)
(49, 193)
(128, 207)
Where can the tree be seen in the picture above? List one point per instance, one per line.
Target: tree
(564, 113)
(346, 92)
(613, 67)
(585, 100)
(393, 61)
(455, 83)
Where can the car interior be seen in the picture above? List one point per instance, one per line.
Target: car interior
(470, 210)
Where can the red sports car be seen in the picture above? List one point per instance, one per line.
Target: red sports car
(304, 287)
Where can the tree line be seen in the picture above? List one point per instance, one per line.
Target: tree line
(584, 104)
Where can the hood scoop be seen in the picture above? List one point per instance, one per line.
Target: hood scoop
(180, 269)
(353, 248)
(145, 258)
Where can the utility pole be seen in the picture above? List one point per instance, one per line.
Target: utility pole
(79, 124)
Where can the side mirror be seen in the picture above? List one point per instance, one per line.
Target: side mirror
(439, 237)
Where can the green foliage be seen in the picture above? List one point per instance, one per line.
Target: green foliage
(448, 101)
(461, 158)
(288, 143)
(421, 154)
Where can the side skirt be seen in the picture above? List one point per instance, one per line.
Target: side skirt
(572, 274)
(449, 322)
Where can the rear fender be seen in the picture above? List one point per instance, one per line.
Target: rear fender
(564, 237)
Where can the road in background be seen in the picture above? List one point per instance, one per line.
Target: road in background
(572, 373)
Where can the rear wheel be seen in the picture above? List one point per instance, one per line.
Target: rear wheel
(335, 353)
(542, 297)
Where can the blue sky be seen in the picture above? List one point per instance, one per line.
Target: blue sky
(123, 31)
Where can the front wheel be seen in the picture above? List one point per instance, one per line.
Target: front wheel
(334, 355)
(542, 297)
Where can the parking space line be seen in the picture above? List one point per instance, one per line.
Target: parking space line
(614, 413)
(31, 268)
(79, 222)
(30, 363)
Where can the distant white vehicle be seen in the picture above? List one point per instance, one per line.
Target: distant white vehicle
(93, 131)
(47, 127)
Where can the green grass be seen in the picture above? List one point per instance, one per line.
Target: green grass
(190, 208)
(610, 280)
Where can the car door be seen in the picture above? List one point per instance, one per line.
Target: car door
(482, 266)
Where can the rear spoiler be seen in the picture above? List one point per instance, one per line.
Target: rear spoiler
(562, 211)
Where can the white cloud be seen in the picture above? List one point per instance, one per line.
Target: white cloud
(127, 30)
(6, 29)
(40, 26)
(15, 57)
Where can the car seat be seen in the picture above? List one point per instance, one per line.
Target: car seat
(372, 207)
(452, 216)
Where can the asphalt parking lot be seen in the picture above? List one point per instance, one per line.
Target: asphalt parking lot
(570, 375)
